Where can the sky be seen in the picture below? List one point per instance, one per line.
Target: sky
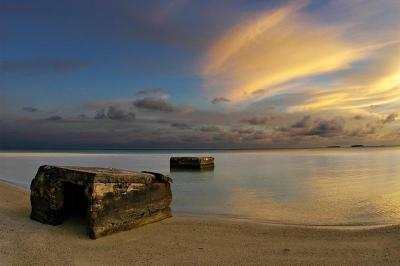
(199, 74)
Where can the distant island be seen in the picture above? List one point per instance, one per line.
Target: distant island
(357, 146)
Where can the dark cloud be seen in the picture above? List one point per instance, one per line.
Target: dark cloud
(259, 135)
(358, 117)
(390, 118)
(180, 125)
(184, 132)
(303, 123)
(210, 129)
(118, 114)
(39, 65)
(221, 137)
(326, 128)
(308, 126)
(256, 136)
(333, 130)
(155, 104)
(368, 129)
(218, 100)
(261, 91)
(243, 130)
(375, 106)
(256, 120)
(114, 113)
(30, 109)
(54, 118)
(162, 121)
(100, 114)
(250, 135)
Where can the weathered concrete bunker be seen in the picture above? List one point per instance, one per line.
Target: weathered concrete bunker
(192, 162)
(112, 200)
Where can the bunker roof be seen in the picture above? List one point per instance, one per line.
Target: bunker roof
(103, 175)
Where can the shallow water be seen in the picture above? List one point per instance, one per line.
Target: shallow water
(309, 187)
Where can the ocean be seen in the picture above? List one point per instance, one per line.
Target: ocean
(344, 186)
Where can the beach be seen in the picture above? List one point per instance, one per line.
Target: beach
(187, 241)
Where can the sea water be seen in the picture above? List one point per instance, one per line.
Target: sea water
(357, 186)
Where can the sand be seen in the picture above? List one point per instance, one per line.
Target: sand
(186, 241)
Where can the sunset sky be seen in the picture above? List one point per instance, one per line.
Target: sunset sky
(199, 74)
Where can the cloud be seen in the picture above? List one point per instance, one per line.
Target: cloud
(192, 130)
(41, 64)
(303, 123)
(363, 131)
(260, 91)
(256, 120)
(272, 48)
(342, 60)
(100, 114)
(118, 114)
(358, 117)
(307, 126)
(344, 128)
(29, 109)
(114, 113)
(326, 128)
(249, 134)
(180, 125)
(370, 84)
(54, 118)
(155, 104)
(243, 130)
(210, 129)
(218, 100)
(390, 118)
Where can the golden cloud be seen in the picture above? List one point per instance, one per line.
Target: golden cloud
(271, 49)
(377, 84)
(282, 50)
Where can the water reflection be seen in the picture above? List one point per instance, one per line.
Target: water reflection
(189, 170)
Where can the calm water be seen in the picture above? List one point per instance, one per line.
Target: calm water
(311, 187)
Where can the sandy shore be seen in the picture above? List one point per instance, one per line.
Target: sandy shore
(186, 241)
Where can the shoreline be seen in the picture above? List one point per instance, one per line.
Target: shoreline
(223, 217)
(180, 240)
(216, 217)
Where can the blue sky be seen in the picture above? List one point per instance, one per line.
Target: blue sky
(199, 74)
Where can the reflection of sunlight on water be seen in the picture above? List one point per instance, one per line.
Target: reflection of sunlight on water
(388, 205)
(324, 187)
(362, 189)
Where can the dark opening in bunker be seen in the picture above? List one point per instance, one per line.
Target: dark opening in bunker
(75, 201)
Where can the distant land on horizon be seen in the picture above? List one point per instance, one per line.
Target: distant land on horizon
(197, 149)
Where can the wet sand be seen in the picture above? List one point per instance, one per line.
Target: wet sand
(186, 241)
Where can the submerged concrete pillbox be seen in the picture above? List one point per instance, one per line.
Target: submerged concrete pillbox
(112, 200)
(192, 162)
